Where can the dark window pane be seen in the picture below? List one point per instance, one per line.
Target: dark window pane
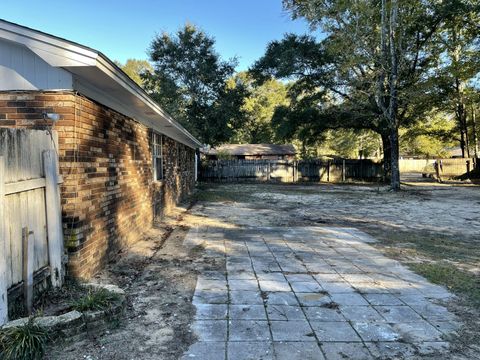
(158, 167)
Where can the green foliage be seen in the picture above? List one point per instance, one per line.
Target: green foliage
(458, 74)
(25, 342)
(258, 109)
(191, 82)
(430, 137)
(345, 143)
(135, 69)
(223, 155)
(376, 67)
(95, 299)
(352, 144)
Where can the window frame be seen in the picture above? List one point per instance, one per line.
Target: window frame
(157, 153)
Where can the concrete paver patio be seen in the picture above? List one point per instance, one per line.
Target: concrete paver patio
(311, 293)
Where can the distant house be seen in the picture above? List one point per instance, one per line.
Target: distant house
(252, 152)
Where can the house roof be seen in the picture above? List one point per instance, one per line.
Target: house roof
(97, 77)
(254, 149)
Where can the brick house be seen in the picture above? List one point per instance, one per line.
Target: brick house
(124, 161)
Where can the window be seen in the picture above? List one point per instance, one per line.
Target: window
(157, 155)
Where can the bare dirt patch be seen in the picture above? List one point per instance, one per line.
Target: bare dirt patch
(434, 229)
(428, 228)
(159, 278)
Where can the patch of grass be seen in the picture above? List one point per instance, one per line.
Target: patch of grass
(445, 259)
(459, 281)
(25, 342)
(95, 299)
(436, 246)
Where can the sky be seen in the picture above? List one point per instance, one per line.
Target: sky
(124, 29)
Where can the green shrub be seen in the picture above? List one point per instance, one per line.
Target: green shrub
(25, 342)
(95, 299)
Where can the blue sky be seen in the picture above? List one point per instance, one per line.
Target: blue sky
(124, 29)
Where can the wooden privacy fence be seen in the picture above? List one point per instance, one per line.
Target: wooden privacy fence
(289, 171)
(31, 238)
(447, 168)
(321, 170)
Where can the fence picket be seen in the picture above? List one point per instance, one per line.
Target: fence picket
(3, 245)
(54, 219)
(319, 170)
(28, 263)
(289, 171)
(22, 205)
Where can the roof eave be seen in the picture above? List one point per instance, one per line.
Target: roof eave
(108, 67)
(73, 55)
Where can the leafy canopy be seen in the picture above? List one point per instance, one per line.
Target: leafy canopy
(258, 109)
(135, 69)
(191, 82)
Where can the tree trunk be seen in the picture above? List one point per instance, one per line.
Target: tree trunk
(395, 157)
(467, 141)
(460, 111)
(393, 104)
(387, 157)
(462, 140)
(387, 85)
(474, 129)
(461, 116)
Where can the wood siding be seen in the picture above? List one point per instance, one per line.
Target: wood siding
(21, 69)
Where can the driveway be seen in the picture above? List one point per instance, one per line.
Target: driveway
(310, 293)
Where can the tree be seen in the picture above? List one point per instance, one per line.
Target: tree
(135, 69)
(259, 107)
(459, 40)
(324, 95)
(430, 137)
(353, 144)
(191, 82)
(374, 65)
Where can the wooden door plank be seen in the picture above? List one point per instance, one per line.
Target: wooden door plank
(3, 240)
(54, 217)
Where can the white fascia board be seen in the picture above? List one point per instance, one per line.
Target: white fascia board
(58, 52)
(111, 70)
(156, 123)
(55, 51)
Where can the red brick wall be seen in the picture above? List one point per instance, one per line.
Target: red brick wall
(108, 194)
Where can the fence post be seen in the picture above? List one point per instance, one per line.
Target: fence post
(294, 171)
(54, 217)
(3, 241)
(27, 274)
(343, 170)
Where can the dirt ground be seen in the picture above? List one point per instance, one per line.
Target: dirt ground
(159, 278)
(420, 225)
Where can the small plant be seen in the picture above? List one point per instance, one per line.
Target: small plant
(95, 299)
(25, 342)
